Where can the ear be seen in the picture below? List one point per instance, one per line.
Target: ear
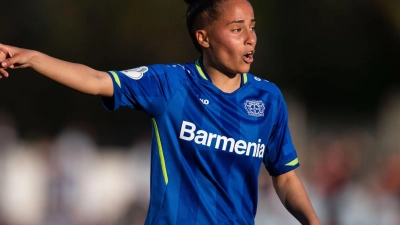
(202, 38)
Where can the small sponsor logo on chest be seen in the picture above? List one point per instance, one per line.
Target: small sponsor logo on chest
(204, 101)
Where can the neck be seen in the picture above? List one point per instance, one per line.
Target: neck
(227, 83)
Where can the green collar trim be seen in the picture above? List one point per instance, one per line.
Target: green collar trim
(198, 67)
(200, 70)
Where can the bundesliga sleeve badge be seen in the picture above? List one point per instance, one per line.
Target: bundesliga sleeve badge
(136, 73)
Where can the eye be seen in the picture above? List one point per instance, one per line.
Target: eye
(253, 28)
(237, 30)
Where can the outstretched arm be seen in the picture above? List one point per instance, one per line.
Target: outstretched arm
(294, 197)
(77, 76)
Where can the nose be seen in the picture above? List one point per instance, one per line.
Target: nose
(251, 38)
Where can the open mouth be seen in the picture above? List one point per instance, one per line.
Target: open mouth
(248, 57)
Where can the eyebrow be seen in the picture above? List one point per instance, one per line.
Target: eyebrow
(241, 21)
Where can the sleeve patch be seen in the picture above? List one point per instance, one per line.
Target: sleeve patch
(136, 73)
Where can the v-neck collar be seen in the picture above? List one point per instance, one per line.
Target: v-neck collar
(203, 73)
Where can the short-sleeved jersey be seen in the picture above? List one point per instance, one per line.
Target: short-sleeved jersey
(207, 145)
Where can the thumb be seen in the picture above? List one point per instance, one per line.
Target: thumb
(13, 57)
(7, 57)
(9, 62)
(4, 52)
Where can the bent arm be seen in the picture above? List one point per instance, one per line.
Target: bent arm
(76, 76)
(294, 197)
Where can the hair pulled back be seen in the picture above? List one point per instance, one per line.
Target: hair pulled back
(199, 14)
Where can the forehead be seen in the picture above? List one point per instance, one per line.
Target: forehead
(233, 10)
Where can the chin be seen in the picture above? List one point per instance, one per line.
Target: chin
(244, 69)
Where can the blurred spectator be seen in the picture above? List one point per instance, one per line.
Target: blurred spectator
(138, 160)
(374, 200)
(23, 197)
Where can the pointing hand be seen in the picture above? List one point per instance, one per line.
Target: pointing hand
(12, 58)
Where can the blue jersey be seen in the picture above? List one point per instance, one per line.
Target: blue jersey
(208, 145)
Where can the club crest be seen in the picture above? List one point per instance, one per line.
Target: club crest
(136, 73)
(254, 108)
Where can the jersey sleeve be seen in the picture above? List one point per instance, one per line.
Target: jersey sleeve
(146, 88)
(282, 156)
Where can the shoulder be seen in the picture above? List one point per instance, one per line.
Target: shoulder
(264, 85)
(171, 68)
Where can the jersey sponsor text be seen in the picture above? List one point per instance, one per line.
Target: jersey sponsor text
(189, 133)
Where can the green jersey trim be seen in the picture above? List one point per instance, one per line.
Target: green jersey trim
(198, 67)
(160, 151)
(116, 78)
(293, 162)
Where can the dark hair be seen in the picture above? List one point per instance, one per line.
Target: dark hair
(199, 14)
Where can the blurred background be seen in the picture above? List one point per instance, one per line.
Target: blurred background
(65, 160)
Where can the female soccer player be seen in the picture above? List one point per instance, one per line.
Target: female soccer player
(214, 123)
